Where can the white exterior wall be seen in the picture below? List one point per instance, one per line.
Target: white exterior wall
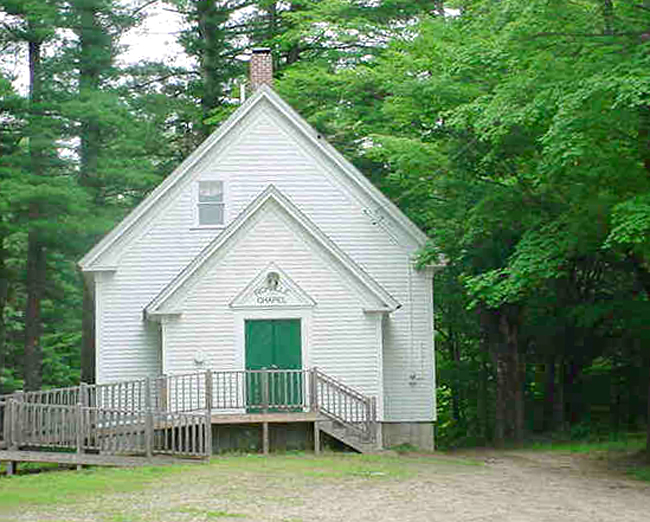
(409, 377)
(265, 148)
(337, 336)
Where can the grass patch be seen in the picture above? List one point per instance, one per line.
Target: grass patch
(329, 465)
(99, 484)
(641, 473)
(69, 486)
(628, 443)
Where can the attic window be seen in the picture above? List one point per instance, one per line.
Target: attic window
(211, 203)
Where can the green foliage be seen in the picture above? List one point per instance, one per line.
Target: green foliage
(516, 134)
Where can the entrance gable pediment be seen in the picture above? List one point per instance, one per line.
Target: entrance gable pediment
(272, 288)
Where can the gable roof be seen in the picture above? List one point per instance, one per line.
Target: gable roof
(406, 226)
(383, 301)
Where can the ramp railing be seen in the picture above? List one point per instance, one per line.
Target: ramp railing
(172, 414)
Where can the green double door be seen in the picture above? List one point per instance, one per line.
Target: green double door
(273, 344)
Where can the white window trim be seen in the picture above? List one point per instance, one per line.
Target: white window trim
(195, 205)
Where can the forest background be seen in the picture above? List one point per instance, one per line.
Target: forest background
(516, 133)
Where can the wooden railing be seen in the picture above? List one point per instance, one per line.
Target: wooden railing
(113, 432)
(346, 406)
(130, 416)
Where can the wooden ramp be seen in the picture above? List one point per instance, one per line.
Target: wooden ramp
(87, 459)
(131, 422)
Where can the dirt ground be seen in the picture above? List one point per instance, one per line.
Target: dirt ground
(514, 486)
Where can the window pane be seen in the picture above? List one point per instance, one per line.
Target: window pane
(211, 191)
(211, 214)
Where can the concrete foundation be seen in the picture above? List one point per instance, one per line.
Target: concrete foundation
(418, 434)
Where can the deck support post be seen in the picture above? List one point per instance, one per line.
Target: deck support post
(265, 437)
(372, 428)
(79, 430)
(208, 413)
(12, 467)
(148, 420)
(316, 438)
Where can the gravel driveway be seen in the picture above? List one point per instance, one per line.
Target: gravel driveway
(517, 486)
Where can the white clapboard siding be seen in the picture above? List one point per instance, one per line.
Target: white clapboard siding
(408, 365)
(265, 148)
(342, 339)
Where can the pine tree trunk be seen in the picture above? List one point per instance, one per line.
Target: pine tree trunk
(4, 292)
(88, 334)
(36, 271)
(36, 254)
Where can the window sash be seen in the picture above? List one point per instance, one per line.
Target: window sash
(210, 205)
(210, 191)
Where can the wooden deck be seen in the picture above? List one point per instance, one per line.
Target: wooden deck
(271, 417)
(171, 417)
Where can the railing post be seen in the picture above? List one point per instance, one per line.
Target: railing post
(313, 391)
(83, 394)
(147, 393)
(208, 390)
(8, 423)
(163, 393)
(79, 430)
(148, 420)
(16, 421)
(208, 413)
(372, 427)
(265, 390)
(12, 444)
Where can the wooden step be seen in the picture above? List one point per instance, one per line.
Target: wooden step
(347, 437)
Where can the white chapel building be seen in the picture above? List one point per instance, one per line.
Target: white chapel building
(266, 248)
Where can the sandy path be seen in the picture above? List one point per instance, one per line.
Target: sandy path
(506, 486)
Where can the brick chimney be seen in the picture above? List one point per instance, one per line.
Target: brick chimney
(261, 68)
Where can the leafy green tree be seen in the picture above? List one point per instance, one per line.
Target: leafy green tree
(517, 139)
